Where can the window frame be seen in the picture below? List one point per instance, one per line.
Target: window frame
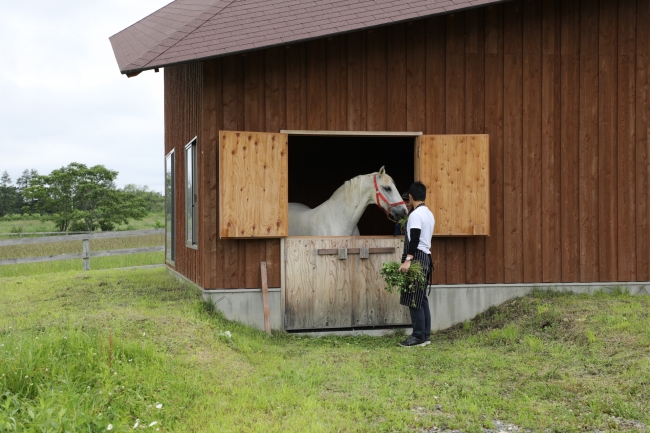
(191, 202)
(170, 208)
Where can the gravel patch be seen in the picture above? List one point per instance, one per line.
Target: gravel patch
(625, 425)
(620, 424)
(499, 427)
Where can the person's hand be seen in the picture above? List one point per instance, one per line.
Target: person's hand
(405, 266)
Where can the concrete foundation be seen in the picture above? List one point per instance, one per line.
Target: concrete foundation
(449, 304)
(456, 304)
(246, 306)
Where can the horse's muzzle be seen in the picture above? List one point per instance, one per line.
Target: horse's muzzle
(398, 212)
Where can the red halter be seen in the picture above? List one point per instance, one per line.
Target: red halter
(381, 196)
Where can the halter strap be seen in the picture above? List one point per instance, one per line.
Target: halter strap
(381, 196)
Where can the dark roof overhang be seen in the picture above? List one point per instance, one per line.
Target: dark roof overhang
(191, 30)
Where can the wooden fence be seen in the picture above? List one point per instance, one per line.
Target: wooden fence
(85, 253)
(21, 234)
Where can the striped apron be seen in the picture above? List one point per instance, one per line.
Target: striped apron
(414, 297)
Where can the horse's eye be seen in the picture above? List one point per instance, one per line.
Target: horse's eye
(387, 189)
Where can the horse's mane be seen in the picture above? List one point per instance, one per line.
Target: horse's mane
(352, 186)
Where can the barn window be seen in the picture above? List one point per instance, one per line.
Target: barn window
(320, 164)
(170, 209)
(191, 195)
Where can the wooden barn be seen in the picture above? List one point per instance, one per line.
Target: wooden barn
(529, 121)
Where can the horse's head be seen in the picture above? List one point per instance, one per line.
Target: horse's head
(387, 196)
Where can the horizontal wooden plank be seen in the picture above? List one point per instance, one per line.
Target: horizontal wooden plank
(100, 235)
(127, 251)
(335, 251)
(41, 259)
(160, 265)
(21, 234)
(80, 255)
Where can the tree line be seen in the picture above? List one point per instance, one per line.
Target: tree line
(77, 198)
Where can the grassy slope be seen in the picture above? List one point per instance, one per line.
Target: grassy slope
(116, 343)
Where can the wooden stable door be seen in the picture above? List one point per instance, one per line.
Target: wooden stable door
(253, 185)
(456, 172)
(334, 282)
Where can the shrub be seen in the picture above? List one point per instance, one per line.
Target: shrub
(77, 226)
(106, 226)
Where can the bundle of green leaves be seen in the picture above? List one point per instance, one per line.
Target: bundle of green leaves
(402, 222)
(402, 282)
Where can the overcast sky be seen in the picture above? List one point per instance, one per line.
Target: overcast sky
(63, 99)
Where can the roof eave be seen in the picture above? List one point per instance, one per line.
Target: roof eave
(132, 72)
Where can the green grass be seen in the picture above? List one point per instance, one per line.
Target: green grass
(148, 222)
(36, 225)
(23, 226)
(81, 350)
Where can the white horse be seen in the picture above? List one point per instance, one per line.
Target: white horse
(339, 215)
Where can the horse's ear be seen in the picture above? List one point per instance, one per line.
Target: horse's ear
(382, 171)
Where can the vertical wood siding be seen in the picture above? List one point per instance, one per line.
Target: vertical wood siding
(561, 87)
(183, 105)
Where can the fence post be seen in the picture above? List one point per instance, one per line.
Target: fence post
(85, 253)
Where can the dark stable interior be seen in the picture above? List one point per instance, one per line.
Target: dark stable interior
(319, 165)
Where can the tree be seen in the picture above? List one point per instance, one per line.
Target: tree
(83, 197)
(27, 206)
(153, 200)
(8, 195)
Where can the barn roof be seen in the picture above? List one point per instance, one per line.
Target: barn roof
(187, 30)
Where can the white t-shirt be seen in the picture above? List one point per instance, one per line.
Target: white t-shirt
(422, 218)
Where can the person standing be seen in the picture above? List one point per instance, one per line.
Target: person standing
(417, 246)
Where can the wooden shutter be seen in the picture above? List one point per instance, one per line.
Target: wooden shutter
(456, 172)
(253, 185)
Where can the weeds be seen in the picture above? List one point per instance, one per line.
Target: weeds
(71, 380)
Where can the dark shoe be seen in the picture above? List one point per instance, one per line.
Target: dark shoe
(427, 340)
(411, 341)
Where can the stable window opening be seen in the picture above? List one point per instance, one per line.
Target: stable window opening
(320, 164)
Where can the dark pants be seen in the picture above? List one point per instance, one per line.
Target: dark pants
(421, 319)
